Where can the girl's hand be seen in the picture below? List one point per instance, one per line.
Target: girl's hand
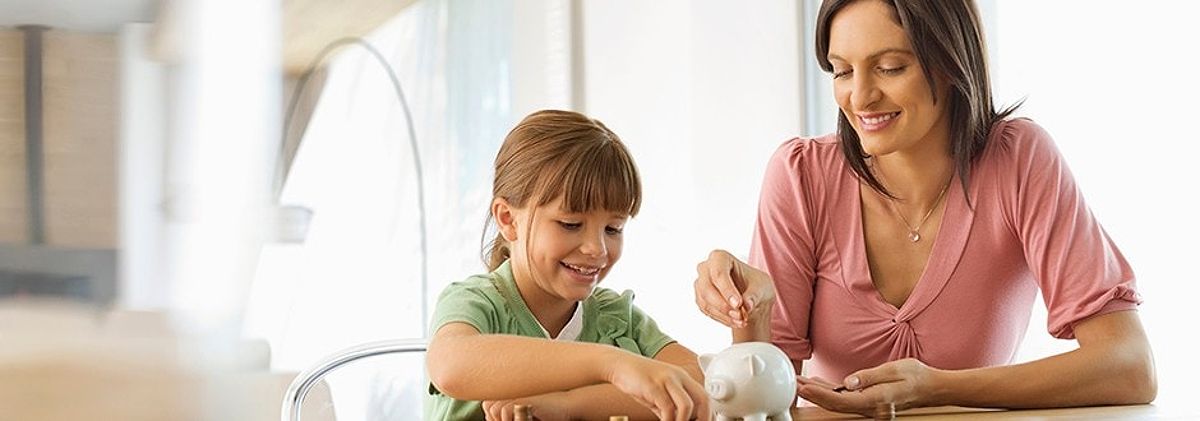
(548, 407)
(733, 292)
(666, 389)
(908, 383)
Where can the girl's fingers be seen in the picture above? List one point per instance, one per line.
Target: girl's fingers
(700, 398)
(683, 402)
(663, 404)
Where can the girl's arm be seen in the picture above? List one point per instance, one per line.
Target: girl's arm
(467, 365)
(601, 401)
(1112, 366)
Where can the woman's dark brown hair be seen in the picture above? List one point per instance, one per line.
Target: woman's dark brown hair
(552, 154)
(947, 38)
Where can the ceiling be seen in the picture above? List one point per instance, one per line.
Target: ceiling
(77, 15)
(310, 25)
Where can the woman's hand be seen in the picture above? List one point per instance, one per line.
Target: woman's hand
(548, 407)
(666, 389)
(733, 292)
(907, 383)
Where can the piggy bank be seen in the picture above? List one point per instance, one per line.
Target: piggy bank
(750, 381)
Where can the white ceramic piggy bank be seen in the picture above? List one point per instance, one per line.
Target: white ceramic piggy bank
(751, 381)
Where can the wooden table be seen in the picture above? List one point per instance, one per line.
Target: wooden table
(1154, 411)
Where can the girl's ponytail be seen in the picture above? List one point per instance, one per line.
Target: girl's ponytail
(498, 252)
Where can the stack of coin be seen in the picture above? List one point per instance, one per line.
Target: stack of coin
(522, 413)
(885, 411)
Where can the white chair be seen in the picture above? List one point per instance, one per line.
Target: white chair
(293, 399)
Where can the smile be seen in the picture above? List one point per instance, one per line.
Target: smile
(582, 270)
(873, 122)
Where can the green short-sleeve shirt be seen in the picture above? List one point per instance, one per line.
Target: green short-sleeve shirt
(490, 302)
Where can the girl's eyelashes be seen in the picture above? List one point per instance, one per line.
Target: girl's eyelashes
(840, 74)
(575, 226)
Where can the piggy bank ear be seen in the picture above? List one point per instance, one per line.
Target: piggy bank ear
(756, 363)
(705, 360)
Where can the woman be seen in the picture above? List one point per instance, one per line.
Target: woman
(902, 254)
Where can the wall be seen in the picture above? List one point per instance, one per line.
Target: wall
(79, 102)
(12, 139)
(702, 92)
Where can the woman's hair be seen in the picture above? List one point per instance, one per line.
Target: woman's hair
(552, 154)
(948, 41)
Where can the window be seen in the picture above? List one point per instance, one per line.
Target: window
(356, 278)
(1114, 90)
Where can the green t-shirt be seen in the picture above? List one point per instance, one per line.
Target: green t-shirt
(490, 302)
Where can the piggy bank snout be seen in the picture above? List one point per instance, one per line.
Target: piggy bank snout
(718, 389)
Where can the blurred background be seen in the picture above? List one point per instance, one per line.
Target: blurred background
(199, 199)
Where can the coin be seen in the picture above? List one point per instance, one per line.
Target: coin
(885, 411)
(522, 413)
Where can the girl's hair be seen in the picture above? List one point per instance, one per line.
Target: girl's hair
(552, 154)
(948, 41)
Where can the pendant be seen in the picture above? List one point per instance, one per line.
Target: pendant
(914, 236)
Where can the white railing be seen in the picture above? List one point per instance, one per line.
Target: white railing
(294, 397)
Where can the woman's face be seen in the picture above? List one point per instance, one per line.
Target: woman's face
(879, 83)
(567, 253)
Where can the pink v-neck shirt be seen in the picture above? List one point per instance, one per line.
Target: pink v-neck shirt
(1026, 228)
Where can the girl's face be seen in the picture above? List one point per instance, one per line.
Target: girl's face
(879, 83)
(565, 254)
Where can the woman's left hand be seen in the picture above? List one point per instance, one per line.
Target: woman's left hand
(548, 407)
(907, 383)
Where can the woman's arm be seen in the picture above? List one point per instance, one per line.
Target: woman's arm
(1112, 366)
(467, 365)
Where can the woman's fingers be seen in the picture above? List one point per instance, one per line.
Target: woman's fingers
(717, 294)
(710, 302)
(884, 373)
(721, 269)
(816, 381)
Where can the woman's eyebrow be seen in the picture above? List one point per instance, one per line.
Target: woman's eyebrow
(876, 54)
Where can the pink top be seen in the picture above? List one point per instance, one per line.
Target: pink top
(1029, 229)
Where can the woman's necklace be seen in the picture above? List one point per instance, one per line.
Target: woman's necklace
(914, 233)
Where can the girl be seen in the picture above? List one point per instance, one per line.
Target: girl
(902, 254)
(536, 330)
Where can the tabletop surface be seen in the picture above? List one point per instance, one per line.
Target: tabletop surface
(1154, 411)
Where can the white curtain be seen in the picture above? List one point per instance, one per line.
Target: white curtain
(357, 276)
